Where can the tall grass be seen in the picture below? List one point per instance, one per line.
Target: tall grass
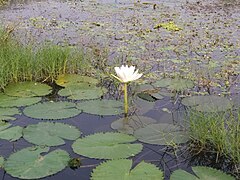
(218, 130)
(45, 63)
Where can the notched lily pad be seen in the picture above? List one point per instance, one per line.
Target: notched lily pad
(161, 134)
(130, 124)
(146, 96)
(74, 79)
(10, 134)
(83, 91)
(202, 173)
(10, 101)
(28, 163)
(7, 113)
(176, 84)
(52, 110)
(122, 169)
(27, 89)
(107, 146)
(207, 103)
(101, 107)
(142, 106)
(50, 134)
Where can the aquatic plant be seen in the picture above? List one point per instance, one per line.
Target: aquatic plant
(219, 130)
(45, 63)
(125, 75)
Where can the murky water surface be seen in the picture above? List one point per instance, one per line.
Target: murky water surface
(206, 43)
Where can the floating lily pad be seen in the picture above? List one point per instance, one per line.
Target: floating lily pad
(146, 96)
(202, 173)
(7, 113)
(27, 89)
(158, 96)
(161, 134)
(142, 106)
(107, 146)
(1, 161)
(28, 163)
(73, 79)
(162, 83)
(10, 101)
(207, 103)
(122, 169)
(167, 93)
(144, 87)
(174, 84)
(130, 124)
(10, 134)
(101, 107)
(83, 91)
(181, 84)
(4, 125)
(52, 110)
(50, 134)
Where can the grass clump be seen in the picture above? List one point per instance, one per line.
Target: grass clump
(44, 63)
(220, 130)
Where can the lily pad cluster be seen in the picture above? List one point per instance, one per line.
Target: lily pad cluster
(78, 87)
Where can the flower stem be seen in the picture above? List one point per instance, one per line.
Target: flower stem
(125, 100)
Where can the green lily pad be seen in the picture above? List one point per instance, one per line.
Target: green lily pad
(165, 82)
(50, 134)
(130, 124)
(122, 169)
(174, 84)
(73, 79)
(52, 110)
(144, 87)
(4, 125)
(10, 134)
(83, 91)
(142, 106)
(107, 146)
(10, 101)
(146, 96)
(207, 103)
(161, 134)
(28, 163)
(158, 96)
(202, 173)
(1, 161)
(101, 107)
(7, 113)
(27, 89)
(180, 84)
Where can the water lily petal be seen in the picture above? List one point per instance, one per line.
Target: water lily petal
(126, 74)
(118, 72)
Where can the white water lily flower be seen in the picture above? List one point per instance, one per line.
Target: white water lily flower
(126, 74)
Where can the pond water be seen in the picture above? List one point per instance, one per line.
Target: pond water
(202, 44)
